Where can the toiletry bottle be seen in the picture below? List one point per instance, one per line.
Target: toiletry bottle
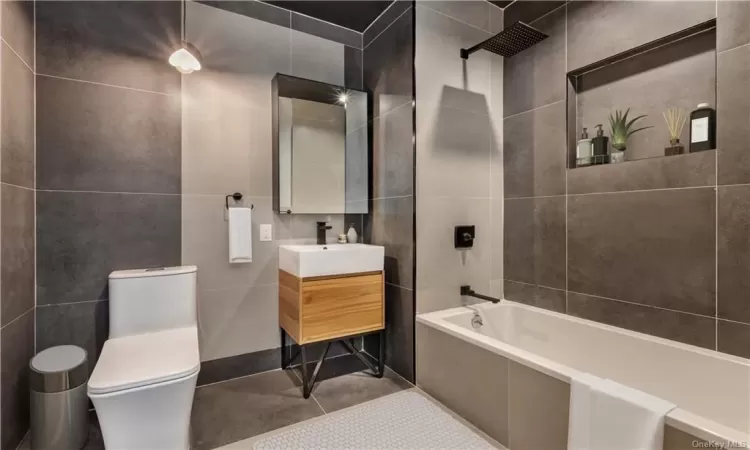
(600, 143)
(351, 235)
(583, 150)
(702, 128)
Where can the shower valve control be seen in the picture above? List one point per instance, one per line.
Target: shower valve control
(464, 236)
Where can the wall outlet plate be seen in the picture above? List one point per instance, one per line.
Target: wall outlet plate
(266, 232)
(464, 236)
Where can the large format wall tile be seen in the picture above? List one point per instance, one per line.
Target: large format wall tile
(17, 121)
(732, 131)
(385, 20)
(325, 30)
(317, 59)
(497, 249)
(393, 153)
(536, 76)
(353, 68)
(399, 339)
(17, 252)
(530, 294)
(124, 43)
(534, 152)
(392, 226)
(472, 12)
(682, 327)
(17, 340)
(453, 152)
(205, 243)
(17, 27)
(387, 67)
(82, 237)
(255, 10)
(733, 17)
(734, 252)
(446, 370)
(100, 138)
(528, 10)
(83, 324)
(622, 25)
(654, 248)
(733, 338)
(535, 241)
(238, 320)
(536, 401)
(688, 170)
(461, 84)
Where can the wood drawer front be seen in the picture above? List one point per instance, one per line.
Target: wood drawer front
(338, 307)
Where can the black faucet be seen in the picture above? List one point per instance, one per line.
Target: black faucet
(322, 227)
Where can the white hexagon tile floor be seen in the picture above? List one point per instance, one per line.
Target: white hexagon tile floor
(405, 420)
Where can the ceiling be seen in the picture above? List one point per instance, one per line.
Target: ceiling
(355, 15)
(500, 3)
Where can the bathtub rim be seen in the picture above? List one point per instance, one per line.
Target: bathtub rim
(678, 418)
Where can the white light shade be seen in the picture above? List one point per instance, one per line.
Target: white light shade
(184, 60)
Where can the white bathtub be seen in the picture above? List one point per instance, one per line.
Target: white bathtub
(711, 389)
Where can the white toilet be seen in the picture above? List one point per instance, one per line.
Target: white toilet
(142, 386)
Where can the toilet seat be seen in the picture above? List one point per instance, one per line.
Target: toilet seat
(146, 359)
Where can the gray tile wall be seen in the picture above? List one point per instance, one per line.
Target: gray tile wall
(388, 70)
(658, 246)
(108, 114)
(17, 192)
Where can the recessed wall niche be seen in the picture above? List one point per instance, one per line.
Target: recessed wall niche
(675, 71)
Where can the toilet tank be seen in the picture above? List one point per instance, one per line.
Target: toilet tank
(148, 300)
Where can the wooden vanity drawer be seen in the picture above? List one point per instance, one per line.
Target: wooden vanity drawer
(327, 308)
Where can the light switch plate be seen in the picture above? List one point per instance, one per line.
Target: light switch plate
(266, 232)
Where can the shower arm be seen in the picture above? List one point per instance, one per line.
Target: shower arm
(467, 290)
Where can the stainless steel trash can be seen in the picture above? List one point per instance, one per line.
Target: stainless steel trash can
(59, 404)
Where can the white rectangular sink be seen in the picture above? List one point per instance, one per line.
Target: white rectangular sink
(305, 261)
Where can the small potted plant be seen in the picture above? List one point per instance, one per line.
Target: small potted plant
(620, 129)
(675, 118)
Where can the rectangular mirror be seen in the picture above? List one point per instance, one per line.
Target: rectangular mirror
(320, 147)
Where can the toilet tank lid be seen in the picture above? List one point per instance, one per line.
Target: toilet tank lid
(152, 272)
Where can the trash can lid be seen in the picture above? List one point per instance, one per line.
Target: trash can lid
(58, 369)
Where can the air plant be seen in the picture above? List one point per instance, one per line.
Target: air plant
(675, 118)
(621, 128)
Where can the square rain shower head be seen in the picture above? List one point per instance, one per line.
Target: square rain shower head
(513, 39)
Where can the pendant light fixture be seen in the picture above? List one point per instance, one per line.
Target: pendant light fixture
(187, 59)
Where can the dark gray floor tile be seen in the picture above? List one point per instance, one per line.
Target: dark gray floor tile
(239, 409)
(652, 247)
(534, 152)
(385, 20)
(681, 327)
(733, 338)
(352, 68)
(326, 30)
(734, 252)
(733, 17)
(17, 252)
(82, 237)
(101, 138)
(17, 125)
(343, 384)
(125, 43)
(17, 340)
(83, 324)
(255, 10)
(95, 442)
(689, 170)
(637, 83)
(388, 64)
(18, 27)
(539, 296)
(231, 367)
(644, 22)
(392, 227)
(393, 154)
(536, 76)
(535, 241)
(528, 10)
(732, 130)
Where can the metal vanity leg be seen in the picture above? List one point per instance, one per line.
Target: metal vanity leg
(305, 383)
(381, 354)
(283, 348)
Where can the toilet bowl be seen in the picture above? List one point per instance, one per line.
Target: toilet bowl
(143, 384)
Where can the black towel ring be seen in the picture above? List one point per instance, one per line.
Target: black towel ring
(237, 197)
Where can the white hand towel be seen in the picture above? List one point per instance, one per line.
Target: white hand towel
(240, 235)
(608, 415)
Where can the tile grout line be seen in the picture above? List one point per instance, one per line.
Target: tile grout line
(716, 204)
(17, 318)
(19, 56)
(18, 186)
(112, 192)
(644, 190)
(375, 20)
(75, 80)
(311, 394)
(423, 4)
(645, 305)
(532, 109)
(565, 162)
(733, 48)
(535, 285)
(385, 29)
